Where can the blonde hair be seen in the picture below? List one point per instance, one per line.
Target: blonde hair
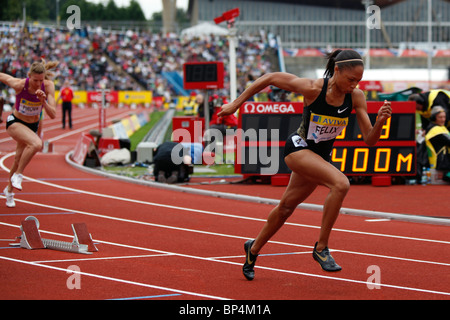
(43, 67)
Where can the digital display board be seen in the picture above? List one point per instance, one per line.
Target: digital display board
(394, 154)
(203, 75)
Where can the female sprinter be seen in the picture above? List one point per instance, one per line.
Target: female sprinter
(328, 100)
(33, 94)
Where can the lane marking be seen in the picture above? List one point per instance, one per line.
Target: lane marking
(93, 275)
(209, 213)
(106, 258)
(148, 297)
(232, 263)
(220, 235)
(203, 211)
(34, 214)
(259, 267)
(215, 213)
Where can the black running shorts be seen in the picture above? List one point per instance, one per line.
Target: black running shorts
(295, 143)
(12, 119)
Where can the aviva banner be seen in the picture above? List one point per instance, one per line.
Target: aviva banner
(129, 97)
(124, 128)
(78, 96)
(126, 97)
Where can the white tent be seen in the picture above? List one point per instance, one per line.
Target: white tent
(204, 29)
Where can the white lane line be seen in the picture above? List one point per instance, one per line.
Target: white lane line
(377, 220)
(115, 279)
(231, 263)
(207, 212)
(203, 211)
(208, 233)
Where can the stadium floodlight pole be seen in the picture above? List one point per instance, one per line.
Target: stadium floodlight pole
(206, 115)
(24, 13)
(57, 14)
(233, 77)
(367, 3)
(430, 44)
(230, 16)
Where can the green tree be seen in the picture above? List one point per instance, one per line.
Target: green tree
(181, 16)
(134, 12)
(45, 10)
(12, 10)
(111, 12)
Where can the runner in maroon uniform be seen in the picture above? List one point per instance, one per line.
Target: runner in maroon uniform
(33, 94)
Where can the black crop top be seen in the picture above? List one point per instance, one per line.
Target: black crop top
(322, 123)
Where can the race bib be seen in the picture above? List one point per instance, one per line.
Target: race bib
(29, 108)
(323, 128)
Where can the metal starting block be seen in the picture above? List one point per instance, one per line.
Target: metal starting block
(31, 238)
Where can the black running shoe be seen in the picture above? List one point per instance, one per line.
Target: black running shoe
(250, 260)
(325, 260)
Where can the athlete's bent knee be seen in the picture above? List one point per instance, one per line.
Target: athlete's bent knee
(285, 211)
(36, 145)
(342, 186)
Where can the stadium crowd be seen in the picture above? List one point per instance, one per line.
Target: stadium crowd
(146, 55)
(92, 58)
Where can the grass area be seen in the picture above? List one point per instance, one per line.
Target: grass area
(131, 170)
(217, 169)
(136, 171)
(139, 135)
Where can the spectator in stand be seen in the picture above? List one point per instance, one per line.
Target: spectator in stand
(143, 56)
(427, 100)
(437, 139)
(222, 123)
(66, 95)
(200, 100)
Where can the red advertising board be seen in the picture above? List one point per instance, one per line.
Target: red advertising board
(96, 96)
(82, 148)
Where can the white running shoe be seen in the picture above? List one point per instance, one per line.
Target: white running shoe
(9, 198)
(16, 181)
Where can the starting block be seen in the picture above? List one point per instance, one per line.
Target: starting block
(31, 238)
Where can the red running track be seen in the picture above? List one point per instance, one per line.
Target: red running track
(158, 244)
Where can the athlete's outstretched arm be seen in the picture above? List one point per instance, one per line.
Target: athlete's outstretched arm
(282, 80)
(10, 81)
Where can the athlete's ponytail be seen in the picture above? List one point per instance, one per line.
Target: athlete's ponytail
(343, 59)
(43, 67)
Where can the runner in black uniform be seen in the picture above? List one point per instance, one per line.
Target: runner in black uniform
(328, 104)
(321, 124)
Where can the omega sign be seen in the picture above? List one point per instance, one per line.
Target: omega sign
(272, 107)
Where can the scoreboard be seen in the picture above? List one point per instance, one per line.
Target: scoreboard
(394, 154)
(203, 75)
